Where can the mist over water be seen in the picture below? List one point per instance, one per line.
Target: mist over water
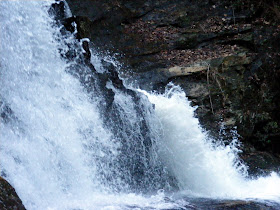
(60, 151)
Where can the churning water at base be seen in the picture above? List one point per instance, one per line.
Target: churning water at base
(202, 168)
(58, 153)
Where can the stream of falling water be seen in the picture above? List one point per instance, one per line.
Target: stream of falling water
(58, 154)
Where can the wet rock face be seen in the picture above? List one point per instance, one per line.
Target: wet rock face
(109, 87)
(224, 54)
(8, 197)
(261, 163)
(232, 204)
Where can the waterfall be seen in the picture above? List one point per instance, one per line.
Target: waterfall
(201, 167)
(60, 147)
(70, 140)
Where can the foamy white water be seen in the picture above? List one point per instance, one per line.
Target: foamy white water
(54, 147)
(202, 168)
(42, 148)
(57, 153)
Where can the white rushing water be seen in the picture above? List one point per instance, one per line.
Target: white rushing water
(202, 168)
(56, 151)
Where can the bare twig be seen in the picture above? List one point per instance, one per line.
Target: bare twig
(220, 87)
(208, 85)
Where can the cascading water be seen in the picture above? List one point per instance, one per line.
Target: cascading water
(68, 144)
(56, 147)
(203, 168)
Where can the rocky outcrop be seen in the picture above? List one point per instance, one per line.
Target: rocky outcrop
(224, 54)
(8, 197)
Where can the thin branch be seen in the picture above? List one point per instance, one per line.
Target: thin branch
(208, 85)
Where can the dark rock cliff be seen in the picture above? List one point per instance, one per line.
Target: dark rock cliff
(8, 197)
(224, 54)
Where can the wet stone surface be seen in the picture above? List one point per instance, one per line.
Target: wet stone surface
(151, 37)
